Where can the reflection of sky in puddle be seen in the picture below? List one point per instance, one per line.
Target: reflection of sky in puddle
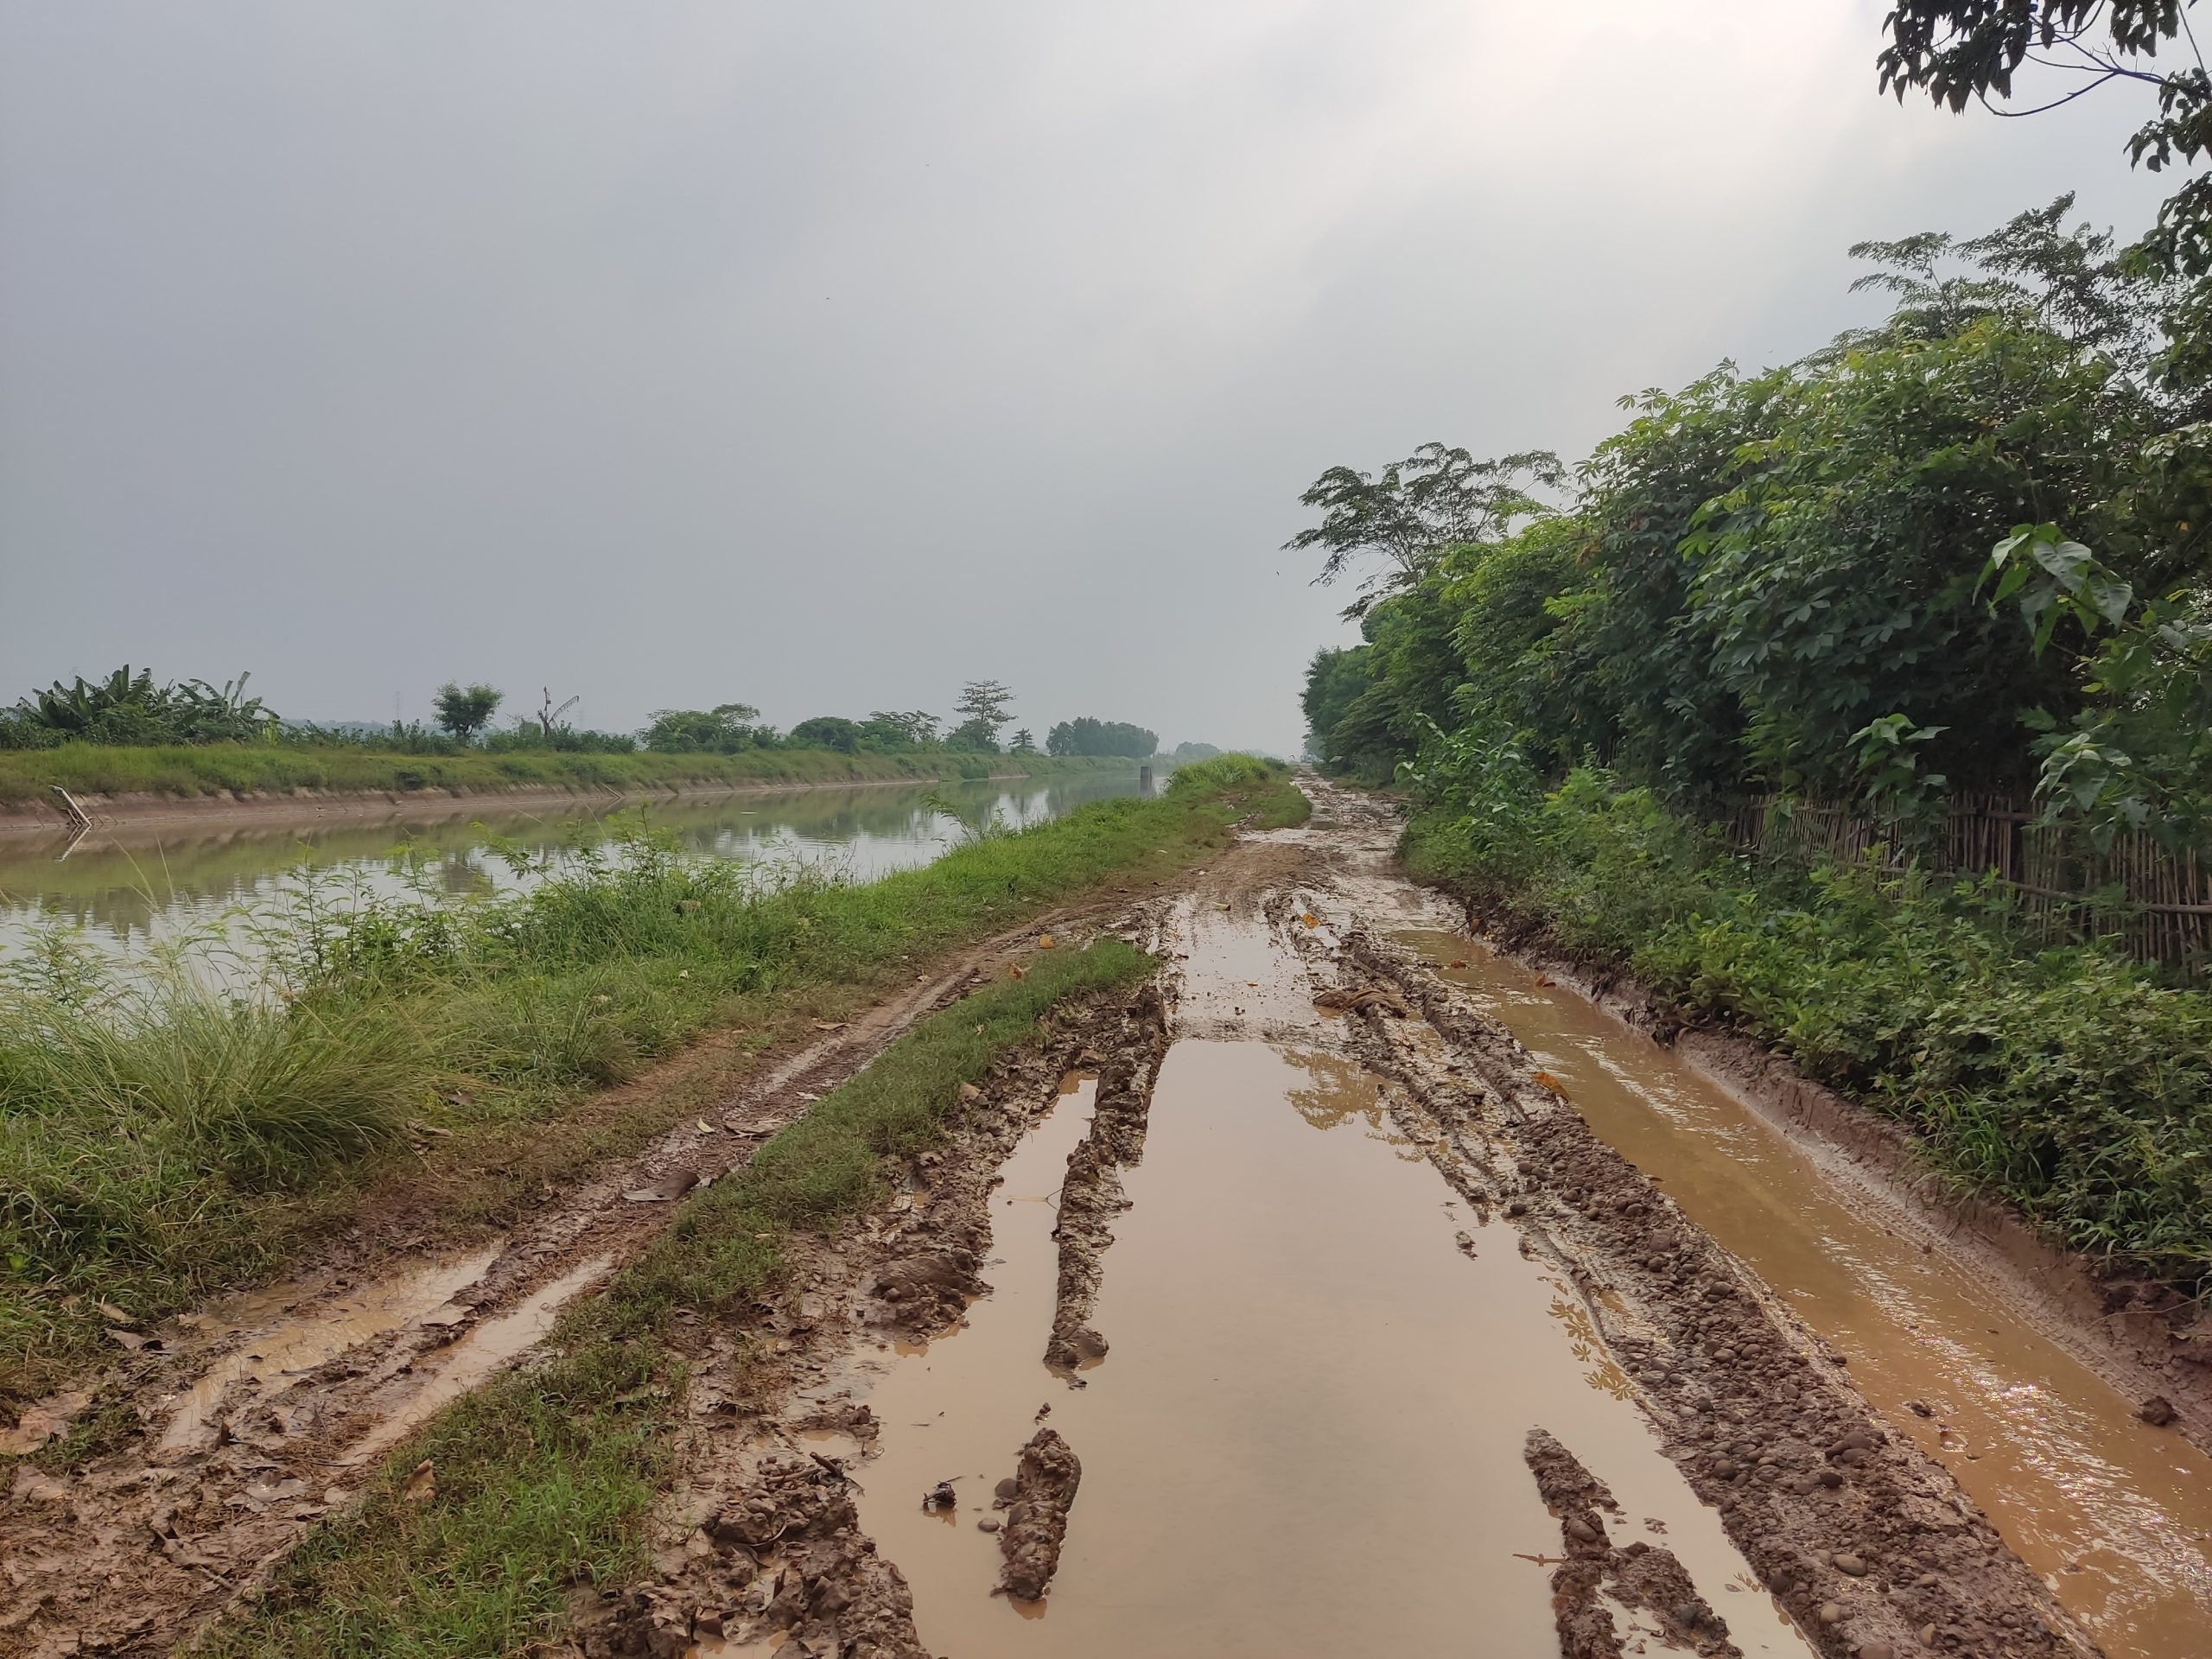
(2115, 1515)
(1295, 1339)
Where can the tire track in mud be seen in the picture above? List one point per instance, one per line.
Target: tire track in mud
(1870, 1545)
(759, 1537)
(241, 1450)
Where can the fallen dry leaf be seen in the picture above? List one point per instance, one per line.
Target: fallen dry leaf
(1217, 904)
(1456, 962)
(970, 1092)
(41, 1422)
(706, 1127)
(830, 1025)
(113, 1314)
(667, 1190)
(422, 1484)
(129, 1340)
(1044, 941)
(1310, 919)
(1015, 971)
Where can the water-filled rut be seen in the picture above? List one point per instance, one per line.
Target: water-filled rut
(2115, 1513)
(1308, 1433)
(1344, 1323)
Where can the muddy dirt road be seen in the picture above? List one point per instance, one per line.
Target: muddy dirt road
(1345, 1333)
(1291, 1307)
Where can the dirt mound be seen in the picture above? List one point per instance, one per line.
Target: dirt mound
(790, 1553)
(1640, 1577)
(1037, 1519)
(1092, 1196)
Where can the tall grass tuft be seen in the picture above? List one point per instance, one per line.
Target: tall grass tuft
(136, 1126)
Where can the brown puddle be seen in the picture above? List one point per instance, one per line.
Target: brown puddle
(1306, 1437)
(285, 1348)
(476, 1355)
(2116, 1515)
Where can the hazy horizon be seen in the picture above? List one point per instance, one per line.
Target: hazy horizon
(823, 359)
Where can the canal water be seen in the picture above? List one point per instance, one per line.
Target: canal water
(124, 889)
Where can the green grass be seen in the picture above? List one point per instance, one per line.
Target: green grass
(1262, 789)
(2069, 1080)
(544, 1479)
(155, 1151)
(280, 769)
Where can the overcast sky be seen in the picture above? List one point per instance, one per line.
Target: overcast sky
(823, 355)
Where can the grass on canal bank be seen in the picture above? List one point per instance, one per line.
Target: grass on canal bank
(545, 1477)
(160, 1144)
(189, 771)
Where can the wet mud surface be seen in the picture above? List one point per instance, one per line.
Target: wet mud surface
(269, 1410)
(1293, 1306)
(2115, 1513)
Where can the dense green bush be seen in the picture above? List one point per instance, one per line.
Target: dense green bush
(1967, 548)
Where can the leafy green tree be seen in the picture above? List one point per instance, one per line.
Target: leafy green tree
(1334, 680)
(1024, 743)
(1771, 581)
(1101, 737)
(982, 708)
(129, 707)
(888, 730)
(726, 728)
(1960, 50)
(826, 732)
(1414, 509)
(463, 711)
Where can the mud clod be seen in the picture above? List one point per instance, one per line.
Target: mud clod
(788, 1555)
(1641, 1577)
(1091, 1196)
(1781, 1444)
(1037, 1522)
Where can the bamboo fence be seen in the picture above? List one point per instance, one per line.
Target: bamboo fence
(2150, 899)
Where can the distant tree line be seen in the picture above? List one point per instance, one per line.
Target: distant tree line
(1088, 736)
(128, 707)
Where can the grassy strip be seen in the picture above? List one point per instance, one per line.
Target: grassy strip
(1262, 789)
(544, 1478)
(2068, 1081)
(279, 769)
(159, 1145)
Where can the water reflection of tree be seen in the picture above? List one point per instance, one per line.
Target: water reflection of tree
(1341, 1093)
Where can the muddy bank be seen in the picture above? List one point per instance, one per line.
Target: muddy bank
(2146, 1339)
